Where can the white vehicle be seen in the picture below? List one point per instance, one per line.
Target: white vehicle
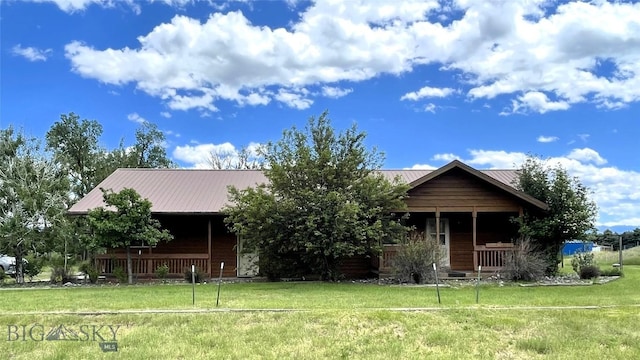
(8, 264)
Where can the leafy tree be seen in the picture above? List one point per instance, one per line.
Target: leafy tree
(125, 221)
(75, 146)
(324, 201)
(149, 150)
(33, 198)
(74, 143)
(571, 213)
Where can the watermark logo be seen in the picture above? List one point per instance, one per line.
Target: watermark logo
(105, 335)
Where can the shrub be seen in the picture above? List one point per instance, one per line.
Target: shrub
(524, 263)
(33, 266)
(589, 272)
(94, 274)
(60, 275)
(2, 276)
(414, 260)
(611, 272)
(582, 259)
(90, 271)
(162, 271)
(57, 259)
(120, 274)
(199, 276)
(276, 266)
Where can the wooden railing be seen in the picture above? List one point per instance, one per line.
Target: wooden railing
(148, 263)
(492, 255)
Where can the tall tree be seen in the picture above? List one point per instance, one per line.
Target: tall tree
(75, 146)
(74, 143)
(571, 214)
(324, 202)
(126, 221)
(33, 197)
(149, 150)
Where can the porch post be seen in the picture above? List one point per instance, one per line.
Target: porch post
(150, 269)
(474, 214)
(209, 247)
(438, 225)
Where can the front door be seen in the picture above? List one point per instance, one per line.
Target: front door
(247, 262)
(444, 236)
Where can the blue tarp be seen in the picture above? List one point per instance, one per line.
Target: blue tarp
(572, 247)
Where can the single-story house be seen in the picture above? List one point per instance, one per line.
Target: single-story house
(469, 210)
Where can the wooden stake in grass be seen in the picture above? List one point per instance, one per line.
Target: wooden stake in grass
(478, 284)
(437, 285)
(219, 282)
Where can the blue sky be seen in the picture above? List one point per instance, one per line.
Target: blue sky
(428, 81)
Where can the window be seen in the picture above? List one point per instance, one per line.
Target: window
(444, 229)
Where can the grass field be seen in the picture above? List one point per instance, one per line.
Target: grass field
(328, 321)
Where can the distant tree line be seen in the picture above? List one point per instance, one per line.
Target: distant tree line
(610, 238)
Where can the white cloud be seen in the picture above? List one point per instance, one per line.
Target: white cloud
(430, 107)
(615, 191)
(136, 118)
(198, 156)
(428, 92)
(31, 53)
(293, 99)
(445, 157)
(423, 167)
(172, 133)
(72, 6)
(540, 55)
(536, 101)
(335, 92)
(547, 139)
(587, 155)
(584, 137)
(165, 114)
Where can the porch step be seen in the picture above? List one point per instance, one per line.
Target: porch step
(456, 274)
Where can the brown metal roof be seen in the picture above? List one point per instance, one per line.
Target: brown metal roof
(174, 190)
(189, 191)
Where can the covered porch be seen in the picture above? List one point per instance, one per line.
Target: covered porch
(199, 240)
(469, 239)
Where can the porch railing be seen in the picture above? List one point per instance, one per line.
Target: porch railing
(148, 263)
(492, 256)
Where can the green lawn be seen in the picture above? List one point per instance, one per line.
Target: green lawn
(337, 321)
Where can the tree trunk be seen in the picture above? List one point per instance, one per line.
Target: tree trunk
(129, 266)
(19, 268)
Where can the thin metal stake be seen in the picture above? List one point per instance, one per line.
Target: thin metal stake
(437, 285)
(193, 284)
(478, 284)
(219, 282)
